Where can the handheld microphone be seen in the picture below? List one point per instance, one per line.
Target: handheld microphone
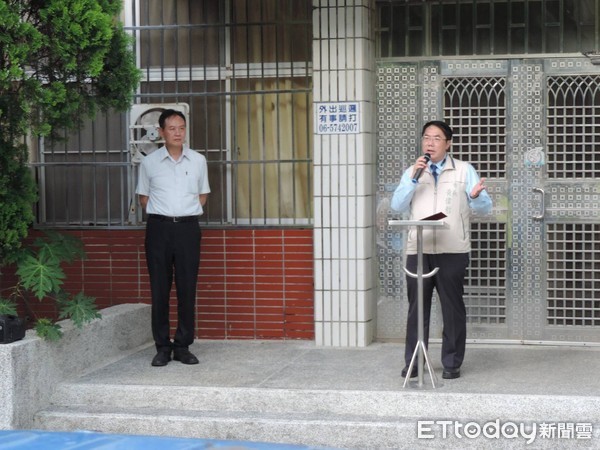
(427, 157)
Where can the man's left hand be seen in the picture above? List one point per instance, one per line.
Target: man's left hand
(478, 188)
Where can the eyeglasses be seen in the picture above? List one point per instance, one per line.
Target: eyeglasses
(435, 139)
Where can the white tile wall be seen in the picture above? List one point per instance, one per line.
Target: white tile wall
(335, 306)
(319, 304)
(317, 176)
(363, 307)
(345, 243)
(319, 333)
(326, 236)
(352, 306)
(335, 241)
(335, 334)
(334, 171)
(345, 274)
(327, 306)
(326, 334)
(344, 334)
(343, 70)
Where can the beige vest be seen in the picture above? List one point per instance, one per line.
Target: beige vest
(449, 197)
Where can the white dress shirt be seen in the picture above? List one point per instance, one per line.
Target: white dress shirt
(173, 187)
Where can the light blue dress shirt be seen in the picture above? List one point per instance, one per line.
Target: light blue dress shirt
(404, 192)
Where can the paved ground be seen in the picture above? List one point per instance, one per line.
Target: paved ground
(507, 369)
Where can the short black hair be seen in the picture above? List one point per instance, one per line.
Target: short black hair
(440, 124)
(169, 113)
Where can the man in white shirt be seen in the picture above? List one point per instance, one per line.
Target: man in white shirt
(173, 188)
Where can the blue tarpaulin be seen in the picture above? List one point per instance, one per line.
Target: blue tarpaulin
(84, 440)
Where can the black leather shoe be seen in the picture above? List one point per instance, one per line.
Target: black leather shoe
(450, 374)
(162, 358)
(413, 374)
(185, 356)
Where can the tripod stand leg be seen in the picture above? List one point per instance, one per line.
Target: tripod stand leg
(429, 368)
(410, 366)
(420, 347)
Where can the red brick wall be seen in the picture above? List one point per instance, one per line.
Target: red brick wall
(253, 284)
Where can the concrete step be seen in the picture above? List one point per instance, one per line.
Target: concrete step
(328, 418)
(391, 404)
(311, 429)
(296, 393)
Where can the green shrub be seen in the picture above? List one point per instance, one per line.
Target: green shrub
(40, 274)
(61, 61)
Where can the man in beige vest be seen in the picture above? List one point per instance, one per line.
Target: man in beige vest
(437, 182)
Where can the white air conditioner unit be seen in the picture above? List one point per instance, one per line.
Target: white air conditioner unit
(143, 128)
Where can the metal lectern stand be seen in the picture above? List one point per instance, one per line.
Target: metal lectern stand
(420, 349)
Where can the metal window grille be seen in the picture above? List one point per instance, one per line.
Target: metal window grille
(572, 277)
(475, 108)
(573, 126)
(85, 180)
(486, 27)
(244, 69)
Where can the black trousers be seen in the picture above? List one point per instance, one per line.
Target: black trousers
(449, 284)
(173, 248)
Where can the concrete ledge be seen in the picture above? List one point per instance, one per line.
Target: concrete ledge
(31, 369)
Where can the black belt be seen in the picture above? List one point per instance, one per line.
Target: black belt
(173, 219)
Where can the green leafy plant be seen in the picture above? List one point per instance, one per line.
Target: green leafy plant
(61, 61)
(48, 330)
(40, 273)
(7, 307)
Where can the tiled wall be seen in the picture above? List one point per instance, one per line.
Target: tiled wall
(253, 284)
(256, 284)
(344, 174)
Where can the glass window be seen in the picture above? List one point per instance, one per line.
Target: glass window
(84, 181)
(486, 27)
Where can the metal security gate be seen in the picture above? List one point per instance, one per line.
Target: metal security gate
(532, 128)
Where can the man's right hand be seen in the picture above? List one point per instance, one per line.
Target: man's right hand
(420, 163)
